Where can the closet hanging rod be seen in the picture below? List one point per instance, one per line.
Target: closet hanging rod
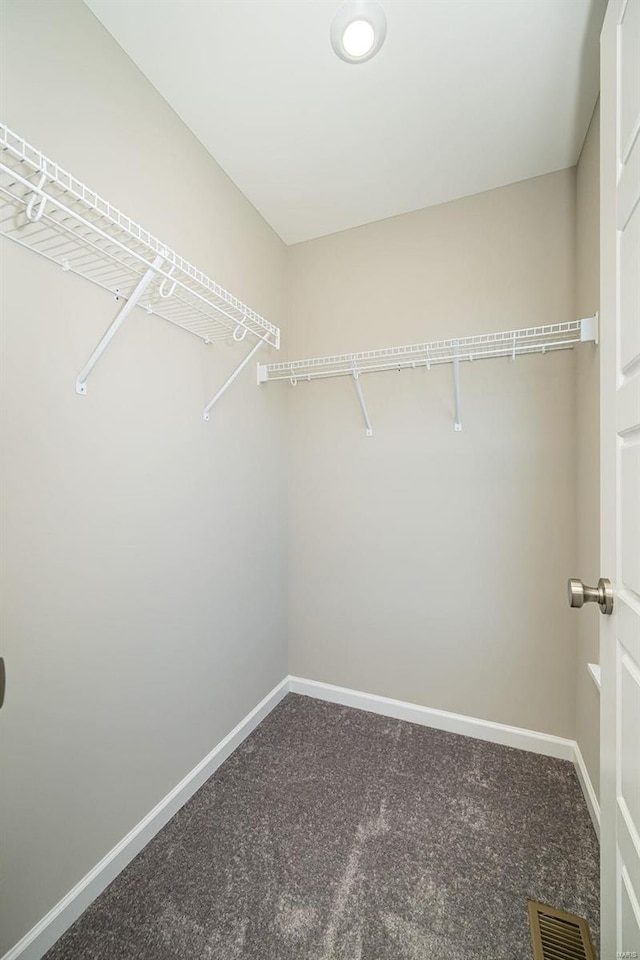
(45, 208)
(507, 343)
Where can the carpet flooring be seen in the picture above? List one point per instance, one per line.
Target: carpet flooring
(335, 834)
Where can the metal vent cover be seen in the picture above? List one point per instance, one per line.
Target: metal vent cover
(557, 935)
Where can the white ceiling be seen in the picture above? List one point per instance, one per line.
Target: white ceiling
(465, 95)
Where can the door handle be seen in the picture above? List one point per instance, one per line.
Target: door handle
(579, 594)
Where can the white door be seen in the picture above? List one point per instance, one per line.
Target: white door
(620, 477)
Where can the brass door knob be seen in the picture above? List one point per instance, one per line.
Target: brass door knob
(579, 594)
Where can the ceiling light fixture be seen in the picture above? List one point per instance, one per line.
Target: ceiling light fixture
(358, 30)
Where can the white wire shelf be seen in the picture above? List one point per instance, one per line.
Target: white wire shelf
(507, 343)
(547, 338)
(48, 210)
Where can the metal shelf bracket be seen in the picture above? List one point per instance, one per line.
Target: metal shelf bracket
(589, 329)
(456, 385)
(238, 370)
(81, 382)
(358, 386)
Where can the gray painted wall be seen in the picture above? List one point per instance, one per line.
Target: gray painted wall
(143, 550)
(425, 564)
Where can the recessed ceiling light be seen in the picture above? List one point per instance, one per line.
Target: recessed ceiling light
(358, 38)
(358, 30)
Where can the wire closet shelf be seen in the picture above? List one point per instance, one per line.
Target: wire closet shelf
(507, 343)
(48, 210)
(547, 338)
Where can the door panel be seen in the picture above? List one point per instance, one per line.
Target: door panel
(629, 84)
(630, 289)
(629, 699)
(620, 477)
(628, 190)
(630, 507)
(629, 912)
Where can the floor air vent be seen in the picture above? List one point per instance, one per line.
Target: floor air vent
(557, 935)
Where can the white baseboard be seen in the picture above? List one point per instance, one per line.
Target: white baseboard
(545, 743)
(590, 797)
(45, 933)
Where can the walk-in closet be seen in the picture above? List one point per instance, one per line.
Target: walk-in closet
(319, 479)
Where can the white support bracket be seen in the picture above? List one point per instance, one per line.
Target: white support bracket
(456, 386)
(238, 370)
(589, 329)
(358, 386)
(81, 382)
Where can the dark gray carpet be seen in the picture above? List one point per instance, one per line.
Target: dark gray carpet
(334, 834)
